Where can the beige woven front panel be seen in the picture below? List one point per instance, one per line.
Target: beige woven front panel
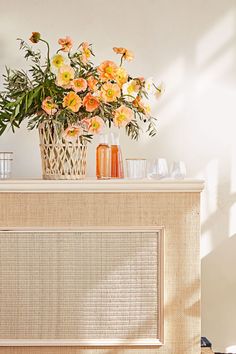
(178, 212)
(79, 285)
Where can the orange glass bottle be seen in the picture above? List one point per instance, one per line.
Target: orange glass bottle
(117, 169)
(103, 159)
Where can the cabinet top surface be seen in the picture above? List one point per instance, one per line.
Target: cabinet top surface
(101, 186)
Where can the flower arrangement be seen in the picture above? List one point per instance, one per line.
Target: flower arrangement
(70, 90)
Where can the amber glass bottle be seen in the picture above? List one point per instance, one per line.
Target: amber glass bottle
(103, 159)
(117, 169)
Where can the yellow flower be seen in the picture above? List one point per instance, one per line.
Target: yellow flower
(131, 89)
(123, 115)
(65, 76)
(121, 76)
(58, 61)
(110, 92)
(72, 101)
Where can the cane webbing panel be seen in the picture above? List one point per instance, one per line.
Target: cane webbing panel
(79, 285)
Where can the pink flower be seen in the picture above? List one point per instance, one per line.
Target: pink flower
(79, 85)
(66, 44)
(96, 125)
(107, 70)
(110, 92)
(123, 115)
(49, 106)
(92, 83)
(126, 53)
(72, 133)
(86, 52)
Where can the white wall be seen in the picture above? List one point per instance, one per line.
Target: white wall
(191, 45)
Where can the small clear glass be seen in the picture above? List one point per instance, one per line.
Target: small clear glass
(6, 164)
(158, 169)
(178, 170)
(136, 168)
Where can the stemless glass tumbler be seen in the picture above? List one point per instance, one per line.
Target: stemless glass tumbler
(136, 168)
(178, 170)
(5, 164)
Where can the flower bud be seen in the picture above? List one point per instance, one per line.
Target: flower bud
(35, 37)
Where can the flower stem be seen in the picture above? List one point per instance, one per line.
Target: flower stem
(48, 54)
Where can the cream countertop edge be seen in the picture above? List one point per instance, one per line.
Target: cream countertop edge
(100, 186)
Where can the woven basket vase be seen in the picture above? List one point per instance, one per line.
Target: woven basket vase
(61, 159)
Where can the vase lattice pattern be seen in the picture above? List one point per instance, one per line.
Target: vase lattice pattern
(61, 159)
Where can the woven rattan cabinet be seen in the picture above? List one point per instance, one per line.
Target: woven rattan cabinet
(30, 207)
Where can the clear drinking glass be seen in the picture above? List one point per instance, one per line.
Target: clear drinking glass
(136, 168)
(158, 168)
(5, 164)
(178, 170)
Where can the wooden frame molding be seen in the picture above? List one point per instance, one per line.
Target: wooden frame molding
(138, 342)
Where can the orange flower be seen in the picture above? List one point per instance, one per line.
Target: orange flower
(72, 133)
(96, 125)
(92, 83)
(65, 76)
(66, 44)
(79, 84)
(86, 52)
(72, 101)
(90, 102)
(123, 115)
(110, 92)
(107, 70)
(126, 54)
(35, 37)
(49, 106)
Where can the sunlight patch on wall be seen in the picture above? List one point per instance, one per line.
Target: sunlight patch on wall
(216, 38)
(209, 203)
(206, 244)
(231, 349)
(210, 175)
(172, 101)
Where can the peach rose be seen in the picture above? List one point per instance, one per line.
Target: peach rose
(66, 43)
(72, 101)
(110, 92)
(122, 116)
(107, 70)
(90, 102)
